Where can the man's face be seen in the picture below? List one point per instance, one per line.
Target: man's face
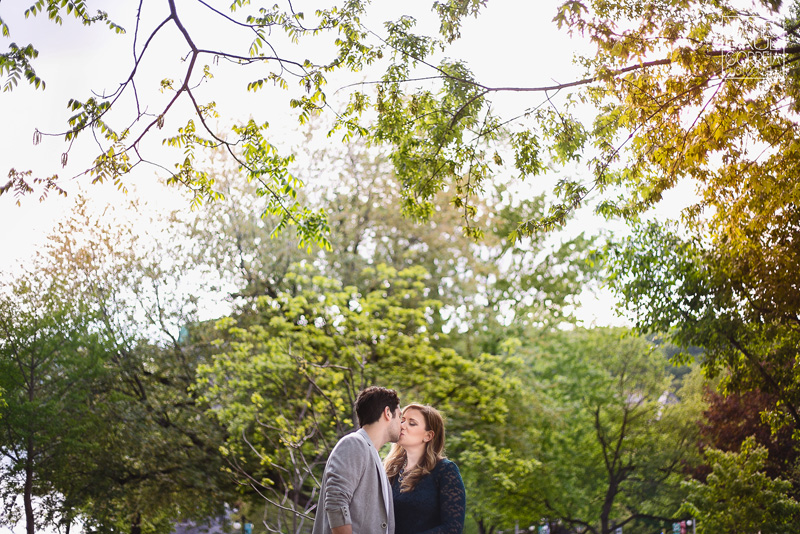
(394, 425)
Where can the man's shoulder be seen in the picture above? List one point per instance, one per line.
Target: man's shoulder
(350, 442)
(349, 459)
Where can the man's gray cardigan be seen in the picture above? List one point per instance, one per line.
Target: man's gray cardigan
(355, 489)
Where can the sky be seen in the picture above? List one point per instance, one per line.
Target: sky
(510, 44)
(76, 60)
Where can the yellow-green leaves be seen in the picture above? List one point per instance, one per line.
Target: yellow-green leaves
(452, 12)
(288, 367)
(16, 63)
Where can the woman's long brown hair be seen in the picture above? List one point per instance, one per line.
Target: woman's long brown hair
(434, 450)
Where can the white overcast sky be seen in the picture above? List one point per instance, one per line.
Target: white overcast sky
(512, 43)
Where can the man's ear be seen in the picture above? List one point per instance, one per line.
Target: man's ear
(387, 413)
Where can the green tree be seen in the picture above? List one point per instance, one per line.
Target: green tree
(739, 497)
(698, 296)
(614, 436)
(155, 457)
(51, 361)
(289, 367)
(163, 462)
(500, 478)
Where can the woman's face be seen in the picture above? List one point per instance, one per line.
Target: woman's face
(412, 430)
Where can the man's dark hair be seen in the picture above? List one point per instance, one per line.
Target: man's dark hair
(372, 401)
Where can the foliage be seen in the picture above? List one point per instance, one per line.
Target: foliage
(614, 436)
(730, 419)
(487, 290)
(50, 363)
(289, 367)
(499, 480)
(258, 159)
(697, 296)
(678, 96)
(739, 497)
(137, 453)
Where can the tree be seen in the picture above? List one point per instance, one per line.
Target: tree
(289, 367)
(50, 363)
(730, 419)
(726, 280)
(614, 438)
(678, 99)
(717, 108)
(499, 479)
(134, 451)
(695, 294)
(162, 462)
(122, 145)
(739, 497)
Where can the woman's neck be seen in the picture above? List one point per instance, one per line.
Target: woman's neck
(413, 456)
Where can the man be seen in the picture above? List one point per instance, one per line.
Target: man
(355, 497)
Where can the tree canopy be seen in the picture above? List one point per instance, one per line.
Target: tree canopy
(739, 496)
(667, 96)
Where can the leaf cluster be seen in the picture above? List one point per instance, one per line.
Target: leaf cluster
(739, 496)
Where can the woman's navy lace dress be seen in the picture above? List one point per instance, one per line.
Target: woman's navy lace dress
(437, 505)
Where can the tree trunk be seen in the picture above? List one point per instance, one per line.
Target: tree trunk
(136, 524)
(27, 496)
(483, 529)
(605, 512)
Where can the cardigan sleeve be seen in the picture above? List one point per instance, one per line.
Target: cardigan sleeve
(452, 500)
(344, 471)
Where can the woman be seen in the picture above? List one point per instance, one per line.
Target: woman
(428, 492)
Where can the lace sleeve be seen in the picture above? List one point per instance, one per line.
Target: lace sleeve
(452, 500)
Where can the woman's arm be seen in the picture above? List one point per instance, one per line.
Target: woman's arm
(452, 500)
